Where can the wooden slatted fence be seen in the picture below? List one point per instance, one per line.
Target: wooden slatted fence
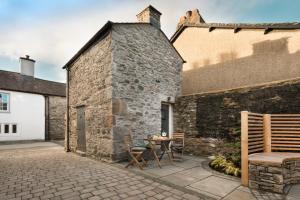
(267, 133)
(285, 130)
(251, 139)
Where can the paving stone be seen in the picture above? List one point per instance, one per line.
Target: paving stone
(51, 173)
(166, 170)
(216, 185)
(190, 197)
(196, 172)
(294, 191)
(188, 163)
(239, 194)
(180, 179)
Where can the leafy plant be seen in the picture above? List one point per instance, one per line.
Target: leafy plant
(220, 163)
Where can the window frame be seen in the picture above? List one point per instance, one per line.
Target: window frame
(8, 103)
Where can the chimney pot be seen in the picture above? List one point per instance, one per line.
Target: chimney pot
(150, 15)
(191, 17)
(188, 14)
(27, 66)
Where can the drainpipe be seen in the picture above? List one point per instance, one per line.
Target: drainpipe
(47, 118)
(68, 110)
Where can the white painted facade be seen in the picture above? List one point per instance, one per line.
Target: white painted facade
(27, 112)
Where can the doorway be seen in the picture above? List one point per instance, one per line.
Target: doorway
(81, 139)
(166, 118)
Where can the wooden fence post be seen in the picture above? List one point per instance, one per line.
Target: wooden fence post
(244, 147)
(267, 133)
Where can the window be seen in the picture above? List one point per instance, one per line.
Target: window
(9, 129)
(6, 128)
(4, 102)
(14, 128)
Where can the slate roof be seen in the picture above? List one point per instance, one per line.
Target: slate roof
(103, 32)
(16, 82)
(265, 26)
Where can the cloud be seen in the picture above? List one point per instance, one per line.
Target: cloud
(53, 38)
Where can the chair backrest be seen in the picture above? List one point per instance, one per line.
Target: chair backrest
(178, 138)
(128, 142)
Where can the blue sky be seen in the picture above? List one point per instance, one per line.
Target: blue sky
(52, 31)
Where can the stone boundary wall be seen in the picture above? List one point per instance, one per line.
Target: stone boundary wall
(274, 177)
(210, 118)
(57, 112)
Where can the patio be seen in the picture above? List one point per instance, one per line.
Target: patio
(194, 175)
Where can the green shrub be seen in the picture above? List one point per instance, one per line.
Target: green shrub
(220, 163)
(228, 158)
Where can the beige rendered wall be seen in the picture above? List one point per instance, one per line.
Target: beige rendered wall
(222, 59)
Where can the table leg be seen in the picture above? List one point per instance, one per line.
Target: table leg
(161, 155)
(170, 158)
(156, 157)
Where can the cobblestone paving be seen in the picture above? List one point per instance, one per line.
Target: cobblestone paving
(50, 173)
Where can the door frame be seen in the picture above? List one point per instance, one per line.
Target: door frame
(171, 117)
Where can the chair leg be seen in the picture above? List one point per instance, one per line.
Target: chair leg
(144, 162)
(135, 161)
(129, 163)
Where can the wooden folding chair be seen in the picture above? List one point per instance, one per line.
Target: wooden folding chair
(177, 145)
(135, 153)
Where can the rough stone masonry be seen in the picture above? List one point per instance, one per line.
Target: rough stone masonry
(209, 117)
(121, 81)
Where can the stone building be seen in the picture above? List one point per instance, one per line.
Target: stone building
(30, 108)
(124, 80)
(230, 68)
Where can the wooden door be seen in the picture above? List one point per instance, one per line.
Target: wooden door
(81, 140)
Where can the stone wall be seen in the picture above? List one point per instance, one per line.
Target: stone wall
(121, 81)
(91, 86)
(208, 118)
(146, 71)
(57, 111)
(274, 177)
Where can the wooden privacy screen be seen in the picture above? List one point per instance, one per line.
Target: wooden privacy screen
(267, 133)
(251, 139)
(285, 130)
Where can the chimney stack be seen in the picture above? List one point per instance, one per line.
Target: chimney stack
(191, 17)
(27, 66)
(150, 15)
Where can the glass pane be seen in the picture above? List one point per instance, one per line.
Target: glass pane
(14, 128)
(6, 128)
(4, 102)
(4, 106)
(5, 98)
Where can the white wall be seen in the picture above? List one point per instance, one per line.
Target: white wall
(28, 112)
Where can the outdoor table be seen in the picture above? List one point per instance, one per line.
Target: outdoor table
(164, 148)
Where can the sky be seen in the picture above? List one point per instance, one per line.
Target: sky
(52, 31)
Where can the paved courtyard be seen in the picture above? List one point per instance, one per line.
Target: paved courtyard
(194, 174)
(45, 171)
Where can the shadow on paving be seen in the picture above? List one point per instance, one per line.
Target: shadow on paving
(194, 174)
